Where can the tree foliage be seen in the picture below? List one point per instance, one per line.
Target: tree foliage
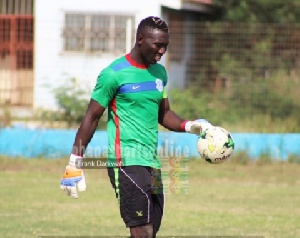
(260, 11)
(72, 99)
(272, 105)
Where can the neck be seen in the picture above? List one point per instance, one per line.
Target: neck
(135, 56)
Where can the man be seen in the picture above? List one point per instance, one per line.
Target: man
(133, 88)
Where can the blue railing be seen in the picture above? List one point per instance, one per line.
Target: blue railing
(52, 143)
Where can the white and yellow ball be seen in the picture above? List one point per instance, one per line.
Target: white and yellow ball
(215, 145)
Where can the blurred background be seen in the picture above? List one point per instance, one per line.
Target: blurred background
(235, 63)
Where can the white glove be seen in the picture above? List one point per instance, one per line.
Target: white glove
(73, 180)
(197, 126)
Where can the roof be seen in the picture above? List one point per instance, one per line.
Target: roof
(204, 6)
(200, 1)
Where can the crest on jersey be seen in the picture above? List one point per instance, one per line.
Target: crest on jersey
(159, 85)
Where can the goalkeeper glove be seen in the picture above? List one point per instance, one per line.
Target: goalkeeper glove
(73, 180)
(197, 126)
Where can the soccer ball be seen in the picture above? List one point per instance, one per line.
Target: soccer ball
(215, 145)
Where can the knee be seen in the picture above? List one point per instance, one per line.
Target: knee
(145, 231)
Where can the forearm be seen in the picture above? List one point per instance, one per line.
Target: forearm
(84, 134)
(172, 121)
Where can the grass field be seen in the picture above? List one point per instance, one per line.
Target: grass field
(223, 200)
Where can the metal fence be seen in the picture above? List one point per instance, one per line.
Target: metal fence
(221, 50)
(249, 68)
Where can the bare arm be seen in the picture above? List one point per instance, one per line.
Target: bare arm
(169, 119)
(87, 127)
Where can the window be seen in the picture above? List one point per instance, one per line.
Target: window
(74, 32)
(16, 41)
(16, 7)
(98, 33)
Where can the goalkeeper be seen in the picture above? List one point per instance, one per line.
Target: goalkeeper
(133, 89)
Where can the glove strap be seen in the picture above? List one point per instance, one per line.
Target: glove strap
(182, 126)
(73, 158)
(186, 126)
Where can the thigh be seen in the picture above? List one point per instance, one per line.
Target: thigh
(133, 189)
(158, 199)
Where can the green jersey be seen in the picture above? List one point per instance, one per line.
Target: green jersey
(132, 93)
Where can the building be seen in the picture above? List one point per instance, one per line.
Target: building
(42, 46)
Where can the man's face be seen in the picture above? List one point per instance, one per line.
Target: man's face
(153, 44)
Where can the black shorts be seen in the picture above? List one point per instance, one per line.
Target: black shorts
(140, 194)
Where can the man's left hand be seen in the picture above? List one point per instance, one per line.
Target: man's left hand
(197, 126)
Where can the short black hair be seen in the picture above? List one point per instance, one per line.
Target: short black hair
(152, 22)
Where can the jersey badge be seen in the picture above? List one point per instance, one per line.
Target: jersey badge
(159, 85)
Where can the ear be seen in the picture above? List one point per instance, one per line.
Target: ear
(140, 39)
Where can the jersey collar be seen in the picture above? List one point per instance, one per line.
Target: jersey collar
(135, 64)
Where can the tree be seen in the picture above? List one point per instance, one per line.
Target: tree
(260, 11)
(72, 98)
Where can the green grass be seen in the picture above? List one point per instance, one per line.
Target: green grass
(224, 200)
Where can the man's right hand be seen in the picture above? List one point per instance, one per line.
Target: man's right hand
(73, 180)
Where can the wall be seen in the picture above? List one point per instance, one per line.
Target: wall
(57, 143)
